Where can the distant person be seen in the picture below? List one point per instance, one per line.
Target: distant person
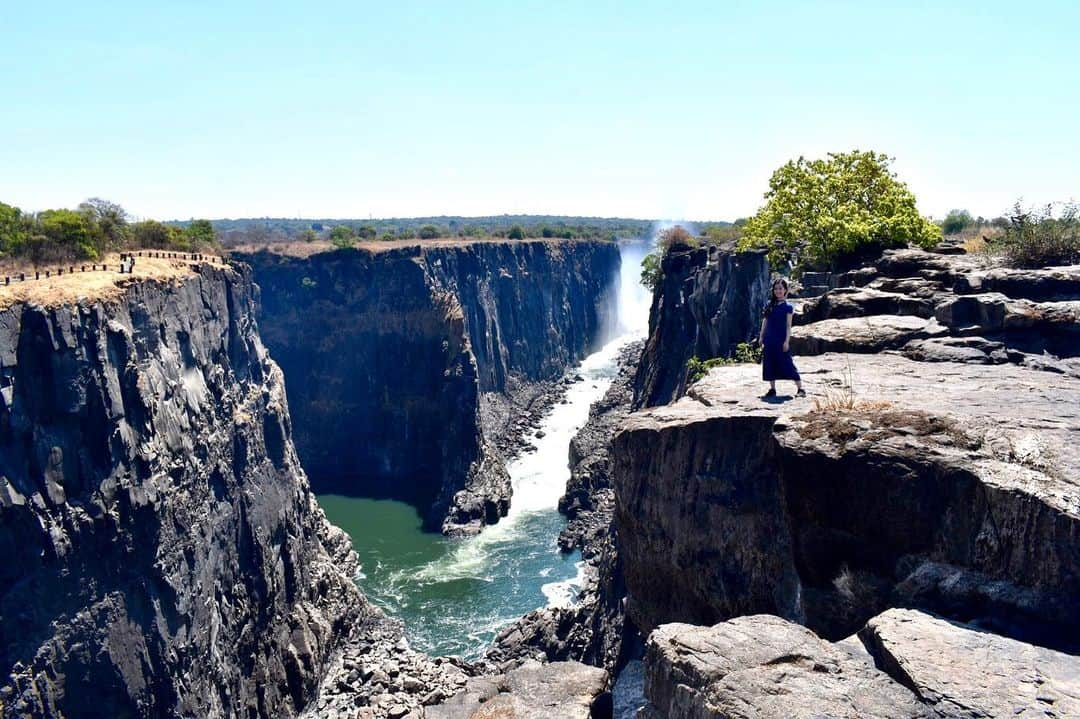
(775, 339)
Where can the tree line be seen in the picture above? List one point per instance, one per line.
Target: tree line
(91, 230)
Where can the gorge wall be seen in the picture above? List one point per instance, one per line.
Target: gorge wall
(708, 300)
(163, 553)
(933, 466)
(389, 352)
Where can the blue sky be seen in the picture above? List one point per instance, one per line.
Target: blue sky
(639, 109)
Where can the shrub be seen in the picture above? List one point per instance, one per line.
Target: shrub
(516, 233)
(651, 273)
(1036, 238)
(745, 353)
(547, 232)
(429, 232)
(342, 237)
(956, 221)
(822, 213)
(676, 237)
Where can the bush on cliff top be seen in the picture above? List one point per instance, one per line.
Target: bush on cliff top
(817, 213)
(97, 226)
(1037, 238)
(676, 237)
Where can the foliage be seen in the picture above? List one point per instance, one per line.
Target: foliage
(1034, 237)
(13, 234)
(745, 353)
(70, 234)
(109, 220)
(956, 221)
(651, 272)
(547, 232)
(155, 235)
(429, 232)
(308, 235)
(819, 212)
(675, 237)
(516, 233)
(342, 237)
(199, 234)
(367, 232)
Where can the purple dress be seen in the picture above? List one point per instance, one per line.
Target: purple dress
(775, 362)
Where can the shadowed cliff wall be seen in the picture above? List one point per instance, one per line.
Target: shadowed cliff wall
(163, 554)
(387, 353)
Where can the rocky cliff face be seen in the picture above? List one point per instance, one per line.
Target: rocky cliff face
(924, 477)
(163, 554)
(709, 300)
(388, 354)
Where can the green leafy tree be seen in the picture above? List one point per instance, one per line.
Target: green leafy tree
(367, 232)
(651, 274)
(200, 234)
(956, 221)
(547, 232)
(70, 234)
(429, 232)
(154, 235)
(109, 222)
(13, 234)
(516, 233)
(342, 237)
(308, 235)
(818, 212)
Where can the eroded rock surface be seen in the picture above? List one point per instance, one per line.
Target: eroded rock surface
(710, 300)
(388, 354)
(962, 673)
(727, 504)
(766, 668)
(533, 690)
(163, 553)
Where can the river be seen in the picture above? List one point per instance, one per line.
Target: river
(455, 595)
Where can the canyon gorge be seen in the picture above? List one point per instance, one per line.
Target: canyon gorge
(647, 542)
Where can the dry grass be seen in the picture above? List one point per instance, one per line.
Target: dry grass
(303, 250)
(68, 288)
(877, 421)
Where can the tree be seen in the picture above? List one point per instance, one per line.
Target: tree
(308, 235)
(152, 234)
(429, 232)
(547, 232)
(109, 220)
(516, 233)
(13, 233)
(956, 221)
(818, 213)
(200, 234)
(342, 237)
(675, 237)
(70, 234)
(367, 232)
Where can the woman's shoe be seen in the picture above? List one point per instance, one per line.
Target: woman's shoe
(770, 393)
(801, 392)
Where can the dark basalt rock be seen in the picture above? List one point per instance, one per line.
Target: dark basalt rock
(764, 667)
(727, 505)
(388, 355)
(961, 672)
(709, 300)
(163, 554)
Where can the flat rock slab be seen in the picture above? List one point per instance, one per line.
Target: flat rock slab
(532, 691)
(1028, 419)
(861, 334)
(968, 674)
(764, 667)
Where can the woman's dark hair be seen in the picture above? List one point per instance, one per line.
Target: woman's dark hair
(782, 281)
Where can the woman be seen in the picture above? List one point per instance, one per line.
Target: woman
(775, 339)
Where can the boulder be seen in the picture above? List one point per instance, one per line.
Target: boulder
(764, 667)
(963, 673)
(568, 690)
(861, 334)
